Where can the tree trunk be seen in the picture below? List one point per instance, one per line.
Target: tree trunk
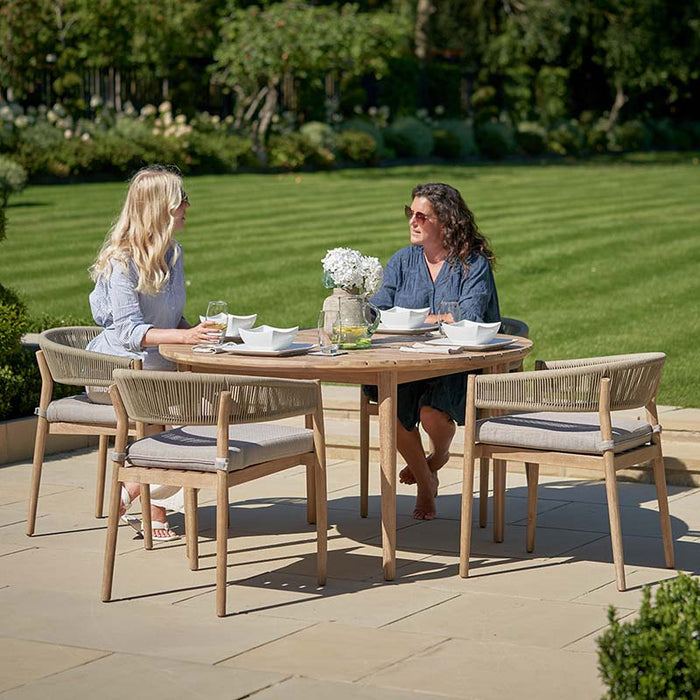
(424, 9)
(618, 104)
(421, 38)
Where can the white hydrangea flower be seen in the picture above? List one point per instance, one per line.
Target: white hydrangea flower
(349, 269)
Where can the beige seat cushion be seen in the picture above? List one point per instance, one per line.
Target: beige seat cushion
(564, 432)
(194, 447)
(79, 409)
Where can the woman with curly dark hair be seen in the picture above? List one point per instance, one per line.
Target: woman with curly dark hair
(449, 259)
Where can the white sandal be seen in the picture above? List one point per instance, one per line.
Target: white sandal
(156, 525)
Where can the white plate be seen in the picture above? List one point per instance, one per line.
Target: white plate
(243, 349)
(495, 344)
(381, 328)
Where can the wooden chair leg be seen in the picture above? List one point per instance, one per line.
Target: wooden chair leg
(192, 528)
(146, 516)
(101, 474)
(112, 531)
(221, 541)
(310, 485)
(499, 499)
(321, 522)
(532, 473)
(42, 429)
(483, 491)
(364, 455)
(614, 517)
(465, 535)
(664, 515)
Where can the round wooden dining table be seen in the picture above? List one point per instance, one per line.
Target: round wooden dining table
(385, 365)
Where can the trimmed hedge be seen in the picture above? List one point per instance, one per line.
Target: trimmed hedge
(656, 655)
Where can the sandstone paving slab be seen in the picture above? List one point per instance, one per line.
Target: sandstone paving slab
(165, 631)
(554, 579)
(77, 468)
(13, 514)
(643, 552)
(6, 549)
(490, 670)
(299, 598)
(18, 491)
(124, 675)
(334, 651)
(297, 688)
(65, 532)
(490, 617)
(593, 517)
(24, 661)
(442, 536)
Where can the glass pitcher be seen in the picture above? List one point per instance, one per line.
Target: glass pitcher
(353, 326)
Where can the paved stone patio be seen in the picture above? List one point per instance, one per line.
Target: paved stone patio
(521, 626)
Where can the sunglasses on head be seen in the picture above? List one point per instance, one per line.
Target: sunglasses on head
(421, 218)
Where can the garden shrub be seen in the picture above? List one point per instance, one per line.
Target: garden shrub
(692, 129)
(289, 151)
(320, 135)
(13, 178)
(484, 104)
(630, 136)
(531, 138)
(596, 135)
(463, 131)
(217, 152)
(366, 127)
(656, 655)
(447, 145)
(495, 139)
(357, 147)
(566, 139)
(409, 137)
(13, 364)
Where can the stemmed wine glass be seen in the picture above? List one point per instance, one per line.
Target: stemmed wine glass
(217, 315)
(448, 312)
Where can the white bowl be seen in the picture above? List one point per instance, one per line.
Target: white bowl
(235, 323)
(471, 332)
(400, 317)
(268, 337)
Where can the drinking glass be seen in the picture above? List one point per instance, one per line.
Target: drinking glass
(217, 315)
(325, 333)
(449, 312)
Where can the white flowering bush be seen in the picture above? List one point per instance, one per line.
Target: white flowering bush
(352, 271)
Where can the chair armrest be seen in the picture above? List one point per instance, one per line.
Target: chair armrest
(186, 398)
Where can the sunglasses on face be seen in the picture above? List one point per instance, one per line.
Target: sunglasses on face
(421, 218)
(184, 199)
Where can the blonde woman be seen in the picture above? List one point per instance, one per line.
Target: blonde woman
(139, 295)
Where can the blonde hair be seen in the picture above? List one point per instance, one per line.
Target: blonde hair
(143, 232)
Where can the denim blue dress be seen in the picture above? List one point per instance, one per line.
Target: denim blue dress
(407, 283)
(126, 315)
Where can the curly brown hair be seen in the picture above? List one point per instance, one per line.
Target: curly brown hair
(461, 235)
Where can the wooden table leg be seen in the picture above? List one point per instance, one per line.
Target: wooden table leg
(387, 457)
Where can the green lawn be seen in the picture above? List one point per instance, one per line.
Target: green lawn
(598, 257)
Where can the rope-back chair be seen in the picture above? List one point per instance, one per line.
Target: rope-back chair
(226, 436)
(568, 421)
(62, 359)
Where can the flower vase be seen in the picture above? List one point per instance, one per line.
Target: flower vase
(347, 316)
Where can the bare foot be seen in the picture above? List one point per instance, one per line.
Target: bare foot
(406, 476)
(425, 501)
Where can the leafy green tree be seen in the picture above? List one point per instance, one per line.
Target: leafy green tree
(262, 46)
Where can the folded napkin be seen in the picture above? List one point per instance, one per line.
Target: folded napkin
(436, 349)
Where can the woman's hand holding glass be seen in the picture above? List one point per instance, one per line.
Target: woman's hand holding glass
(216, 321)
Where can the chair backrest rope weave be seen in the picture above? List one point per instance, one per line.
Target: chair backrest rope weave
(193, 399)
